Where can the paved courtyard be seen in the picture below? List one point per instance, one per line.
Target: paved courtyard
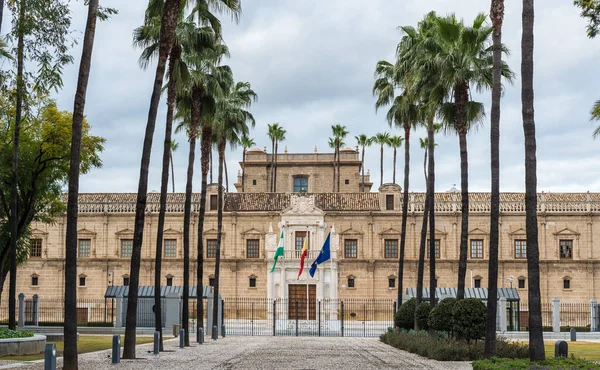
(269, 353)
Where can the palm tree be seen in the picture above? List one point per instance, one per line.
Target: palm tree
(174, 147)
(70, 322)
(231, 121)
(167, 34)
(395, 142)
(331, 143)
(469, 45)
(382, 139)
(421, 263)
(339, 133)
(1, 13)
(536, 339)
(595, 116)
(363, 141)
(246, 142)
(272, 133)
(279, 136)
(497, 17)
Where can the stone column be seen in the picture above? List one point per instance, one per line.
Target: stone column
(172, 310)
(593, 315)
(21, 321)
(556, 315)
(501, 315)
(210, 315)
(36, 310)
(119, 312)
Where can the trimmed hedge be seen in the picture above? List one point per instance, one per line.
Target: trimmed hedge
(440, 318)
(422, 314)
(7, 333)
(405, 316)
(469, 319)
(550, 364)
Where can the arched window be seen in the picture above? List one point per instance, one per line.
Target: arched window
(300, 184)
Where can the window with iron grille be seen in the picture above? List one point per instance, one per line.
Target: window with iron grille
(350, 248)
(84, 247)
(211, 248)
(476, 248)
(520, 248)
(521, 283)
(252, 248)
(170, 248)
(35, 248)
(437, 249)
(126, 247)
(389, 202)
(566, 249)
(391, 248)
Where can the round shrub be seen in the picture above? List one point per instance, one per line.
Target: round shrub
(423, 315)
(405, 316)
(440, 318)
(469, 316)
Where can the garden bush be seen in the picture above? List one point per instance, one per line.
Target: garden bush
(440, 318)
(469, 317)
(549, 364)
(405, 316)
(7, 333)
(423, 315)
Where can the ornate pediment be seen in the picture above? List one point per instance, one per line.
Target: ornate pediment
(171, 231)
(85, 231)
(566, 232)
(126, 231)
(438, 232)
(38, 232)
(252, 231)
(390, 231)
(478, 231)
(351, 231)
(519, 231)
(302, 205)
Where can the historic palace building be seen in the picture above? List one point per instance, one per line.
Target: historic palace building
(365, 234)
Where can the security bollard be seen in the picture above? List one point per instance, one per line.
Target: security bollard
(181, 338)
(50, 357)
(156, 342)
(214, 333)
(561, 349)
(200, 335)
(223, 330)
(116, 349)
(573, 335)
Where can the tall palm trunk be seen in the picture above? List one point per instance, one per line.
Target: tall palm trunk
(536, 340)
(422, 244)
(497, 16)
(216, 302)
(338, 168)
(172, 171)
(404, 212)
(167, 33)
(381, 166)
(431, 197)
(362, 168)
(164, 183)
(187, 210)
(272, 183)
(70, 322)
(211, 163)
(461, 95)
(1, 13)
(334, 169)
(243, 169)
(205, 146)
(275, 169)
(14, 215)
(394, 172)
(226, 176)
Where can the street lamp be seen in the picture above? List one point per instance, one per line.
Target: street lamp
(510, 280)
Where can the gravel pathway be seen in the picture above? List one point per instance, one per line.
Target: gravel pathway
(268, 353)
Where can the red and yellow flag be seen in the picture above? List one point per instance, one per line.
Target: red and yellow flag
(303, 256)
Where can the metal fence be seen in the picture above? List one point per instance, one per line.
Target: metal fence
(572, 315)
(301, 317)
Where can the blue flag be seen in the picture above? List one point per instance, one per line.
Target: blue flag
(323, 256)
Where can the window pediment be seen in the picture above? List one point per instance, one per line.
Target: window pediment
(478, 231)
(171, 231)
(518, 232)
(351, 231)
(566, 232)
(86, 232)
(390, 231)
(38, 232)
(124, 232)
(252, 232)
(438, 232)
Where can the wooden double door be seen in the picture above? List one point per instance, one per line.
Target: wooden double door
(304, 297)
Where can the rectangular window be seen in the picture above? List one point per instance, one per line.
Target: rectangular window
(252, 248)
(170, 248)
(211, 248)
(351, 282)
(566, 284)
(253, 182)
(213, 202)
(389, 202)
(299, 240)
(35, 249)
(391, 282)
(126, 247)
(437, 248)
(169, 281)
(391, 248)
(126, 281)
(347, 182)
(34, 281)
(300, 184)
(82, 281)
(520, 248)
(211, 281)
(84, 247)
(252, 282)
(350, 248)
(477, 283)
(566, 249)
(476, 248)
(521, 283)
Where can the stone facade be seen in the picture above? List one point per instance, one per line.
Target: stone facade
(365, 233)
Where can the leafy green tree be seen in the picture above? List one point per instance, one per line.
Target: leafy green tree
(382, 139)
(246, 142)
(395, 142)
(595, 114)
(174, 147)
(468, 319)
(339, 133)
(536, 339)
(590, 9)
(363, 141)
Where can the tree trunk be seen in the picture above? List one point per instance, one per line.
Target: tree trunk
(219, 234)
(211, 164)
(334, 169)
(275, 169)
(422, 244)
(1, 13)
(14, 215)
(404, 213)
(205, 147)
(271, 182)
(243, 169)
(394, 173)
(187, 210)
(497, 16)
(338, 168)
(536, 340)
(461, 96)
(167, 33)
(226, 176)
(172, 171)
(362, 168)
(70, 322)
(431, 197)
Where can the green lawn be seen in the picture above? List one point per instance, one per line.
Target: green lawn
(586, 350)
(86, 343)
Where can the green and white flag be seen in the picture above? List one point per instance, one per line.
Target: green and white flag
(278, 251)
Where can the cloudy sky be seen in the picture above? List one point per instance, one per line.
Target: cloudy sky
(311, 63)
